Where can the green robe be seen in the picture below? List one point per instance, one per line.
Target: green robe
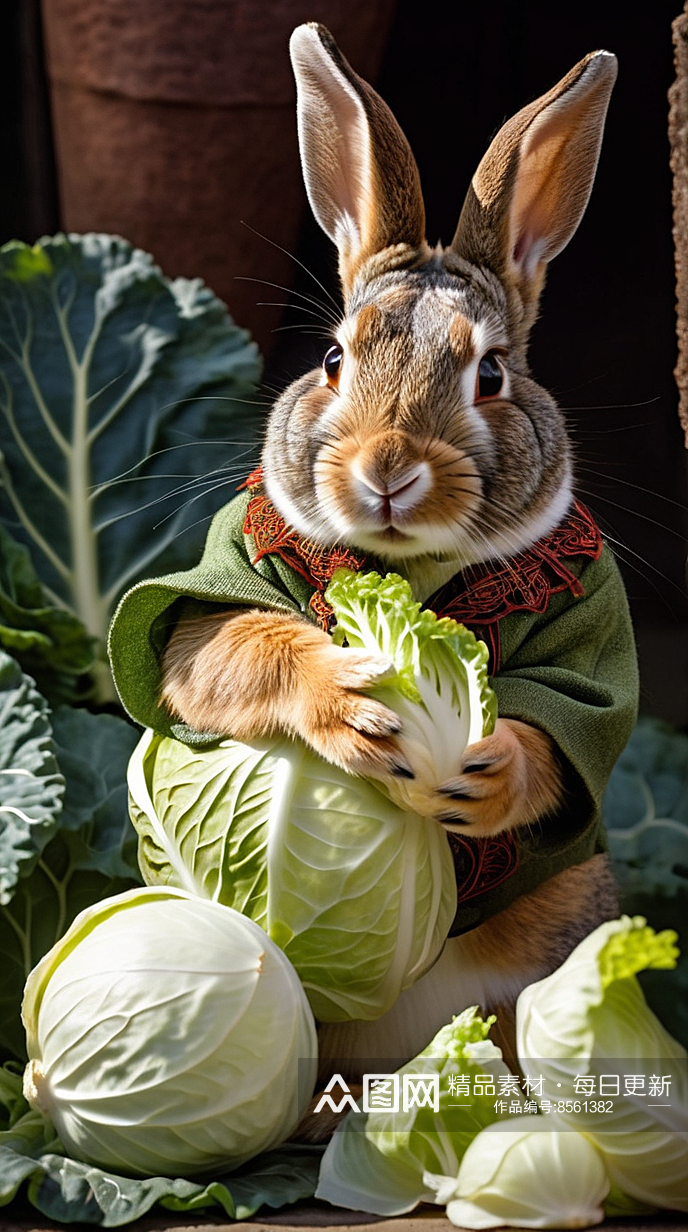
(563, 659)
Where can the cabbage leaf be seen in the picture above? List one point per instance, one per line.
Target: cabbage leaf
(590, 1016)
(512, 1174)
(379, 1161)
(32, 1160)
(89, 852)
(646, 818)
(50, 644)
(31, 785)
(440, 685)
(118, 388)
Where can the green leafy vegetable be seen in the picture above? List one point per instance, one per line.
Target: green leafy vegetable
(586, 1014)
(31, 786)
(167, 1033)
(440, 689)
(49, 642)
(359, 894)
(92, 853)
(646, 816)
(377, 1161)
(562, 1169)
(115, 385)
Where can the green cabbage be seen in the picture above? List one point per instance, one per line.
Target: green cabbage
(440, 687)
(167, 1036)
(359, 894)
(378, 1161)
(346, 876)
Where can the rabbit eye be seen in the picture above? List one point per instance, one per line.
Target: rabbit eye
(490, 377)
(332, 364)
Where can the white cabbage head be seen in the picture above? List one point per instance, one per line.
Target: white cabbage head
(167, 1035)
(525, 1178)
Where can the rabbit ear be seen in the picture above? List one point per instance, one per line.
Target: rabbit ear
(531, 188)
(360, 175)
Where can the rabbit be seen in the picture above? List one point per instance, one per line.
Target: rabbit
(423, 443)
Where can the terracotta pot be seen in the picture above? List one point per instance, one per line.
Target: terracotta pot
(174, 124)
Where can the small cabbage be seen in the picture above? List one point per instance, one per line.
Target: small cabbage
(167, 1035)
(376, 1161)
(440, 688)
(590, 1017)
(359, 893)
(512, 1174)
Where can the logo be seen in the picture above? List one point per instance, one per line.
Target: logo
(385, 1092)
(326, 1100)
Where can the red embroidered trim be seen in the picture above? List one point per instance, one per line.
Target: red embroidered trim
(253, 480)
(483, 594)
(272, 536)
(481, 864)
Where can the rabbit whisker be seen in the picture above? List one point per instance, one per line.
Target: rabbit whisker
(327, 313)
(301, 265)
(186, 504)
(207, 482)
(637, 487)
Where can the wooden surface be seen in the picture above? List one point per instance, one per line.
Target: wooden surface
(305, 1215)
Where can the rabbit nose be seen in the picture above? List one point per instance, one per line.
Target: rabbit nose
(395, 493)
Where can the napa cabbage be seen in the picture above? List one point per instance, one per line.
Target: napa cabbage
(439, 687)
(525, 1178)
(167, 1035)
(380, 1161)
(585, 1022)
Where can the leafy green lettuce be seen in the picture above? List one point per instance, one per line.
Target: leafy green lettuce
(440, 685)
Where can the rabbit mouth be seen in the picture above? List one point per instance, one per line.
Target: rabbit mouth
(392, 535)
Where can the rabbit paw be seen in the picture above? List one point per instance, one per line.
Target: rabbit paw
(508, 779)
(343, 724)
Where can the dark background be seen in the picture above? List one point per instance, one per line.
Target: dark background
(605, 343)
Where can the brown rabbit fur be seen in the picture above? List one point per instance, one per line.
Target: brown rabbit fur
(424, 441)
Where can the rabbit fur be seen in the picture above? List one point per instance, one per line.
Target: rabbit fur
(425, 441)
